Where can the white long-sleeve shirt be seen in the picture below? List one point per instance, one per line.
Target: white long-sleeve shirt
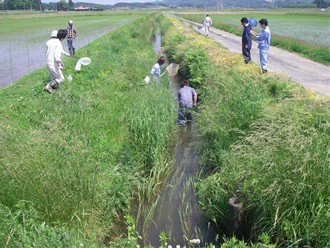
(208, 21)
(54, 51)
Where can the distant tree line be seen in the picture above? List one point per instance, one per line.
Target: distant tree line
(61, 5)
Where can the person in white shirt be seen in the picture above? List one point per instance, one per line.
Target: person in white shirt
(207, 24)
(54, 60)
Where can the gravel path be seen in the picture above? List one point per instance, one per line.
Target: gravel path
(312, 75)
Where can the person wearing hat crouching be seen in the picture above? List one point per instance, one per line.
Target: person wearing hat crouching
(71, 36)
(54, 60)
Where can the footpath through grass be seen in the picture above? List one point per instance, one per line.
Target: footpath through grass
(71, 161)
(304, 33)
(267, 143)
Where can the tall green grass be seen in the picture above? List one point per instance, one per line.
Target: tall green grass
(267, 143)
(78, 155)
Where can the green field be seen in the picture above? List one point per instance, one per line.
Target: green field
(35, 28)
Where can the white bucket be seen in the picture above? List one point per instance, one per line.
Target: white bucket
(147, 79)
(78, 66)
(69, 78)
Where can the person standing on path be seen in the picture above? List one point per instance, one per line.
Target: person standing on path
(187, 100)
(264, 42)
(246, 40)
(156, 69)
(71, 36)
(207, 24)
(54, 61)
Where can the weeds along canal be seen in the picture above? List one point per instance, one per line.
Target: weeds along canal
(174, 211)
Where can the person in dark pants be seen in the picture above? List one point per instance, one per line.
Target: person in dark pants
(71, 36)
(187, 100)
(246, 40)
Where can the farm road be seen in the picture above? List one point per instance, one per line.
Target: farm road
(312, 75)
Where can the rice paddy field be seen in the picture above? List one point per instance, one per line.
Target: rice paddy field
(23, 37)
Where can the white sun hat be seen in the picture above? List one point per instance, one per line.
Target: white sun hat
(53, 34)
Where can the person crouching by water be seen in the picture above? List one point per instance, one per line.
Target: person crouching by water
(264, 42)
(54, 61)
(156, 69)
(187, 100)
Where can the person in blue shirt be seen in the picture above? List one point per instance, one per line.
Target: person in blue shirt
(246, 40)
(156, 69)
(264, 42)
(187, 100)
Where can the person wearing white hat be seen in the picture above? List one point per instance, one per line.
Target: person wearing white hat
(54, 60)
(71, 36)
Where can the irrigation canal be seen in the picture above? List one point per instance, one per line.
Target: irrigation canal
(177, 212)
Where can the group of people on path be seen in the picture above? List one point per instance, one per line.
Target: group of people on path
(54, 54)
(262, 38)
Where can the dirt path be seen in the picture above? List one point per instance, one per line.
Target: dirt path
(312, 75)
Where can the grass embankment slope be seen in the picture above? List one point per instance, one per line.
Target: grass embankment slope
(71, 161)
(306, 33)
(266, 143)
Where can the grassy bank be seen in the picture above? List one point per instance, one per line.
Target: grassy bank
(302, 33)
(71, 161)
(267, 144)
